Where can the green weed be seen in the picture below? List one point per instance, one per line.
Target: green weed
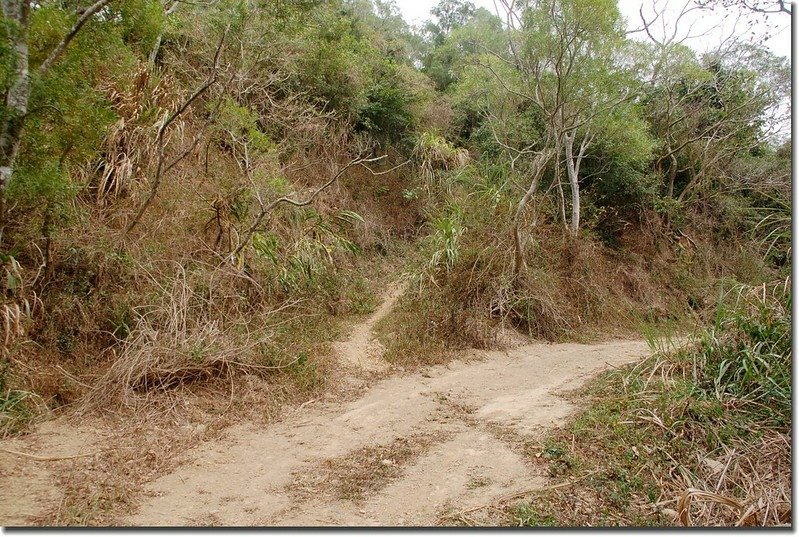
(670, 423)
(17, 409)
(525, 514)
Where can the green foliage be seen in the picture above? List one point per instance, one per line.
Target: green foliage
(715, 414)
(17, 409)
(307, 262)
(387, 111)
(526, 515)
(138, 23)
(744, 359)
(240, 125)
(617, 180)
(585, 34)
(303, 84)
(446, 232)
(69, 113)
(330, 70)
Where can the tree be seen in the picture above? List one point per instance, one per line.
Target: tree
(17, 15)
(450, 14)
(562, 54)
(456, 22)
(706, 111)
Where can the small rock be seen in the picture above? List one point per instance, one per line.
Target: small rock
(713, 465)
(671, 513)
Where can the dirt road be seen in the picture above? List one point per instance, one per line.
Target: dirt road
(411, 450)
(444, 440)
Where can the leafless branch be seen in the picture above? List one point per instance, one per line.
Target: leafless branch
(161, 168)
(268, 208)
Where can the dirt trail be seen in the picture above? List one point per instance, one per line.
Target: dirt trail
(361, 349)
(410, 450)
(407, 452)
(476, 417)
(27, 486)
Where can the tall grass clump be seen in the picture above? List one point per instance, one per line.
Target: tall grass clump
(192, 332)
(744, 359)
(433, 153)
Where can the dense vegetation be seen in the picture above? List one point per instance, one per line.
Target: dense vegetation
(195, 192)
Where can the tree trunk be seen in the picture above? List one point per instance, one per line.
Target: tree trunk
(573, 168)
(561, 196)
(17, 98)
(672, 174)
(18, 12)
(168, 10)
(539, 166)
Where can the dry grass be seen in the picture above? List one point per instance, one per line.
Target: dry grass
(699, 436)
(98, 489)
(362, 472)
(210, 348)
(617, 478)
(746, 486)
(573, 289)
(183, 339)
(129, 146)
(126, 320)
(433, 152)
(749, 485)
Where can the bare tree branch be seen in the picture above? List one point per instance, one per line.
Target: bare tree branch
(160, 167)
(268, 208)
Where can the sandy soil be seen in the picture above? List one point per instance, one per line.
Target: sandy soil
(410, 451)
(27, 482)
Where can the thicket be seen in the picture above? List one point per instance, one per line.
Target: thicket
(194, 192)
(612, 182)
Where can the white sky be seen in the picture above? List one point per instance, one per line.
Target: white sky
(712, 24)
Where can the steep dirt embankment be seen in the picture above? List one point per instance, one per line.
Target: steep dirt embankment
(412, 450)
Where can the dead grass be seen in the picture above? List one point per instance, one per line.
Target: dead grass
(98, 489)
(362, 472)
(151, 436)
(189, 368)
(178, 341)
(658, 454)
(574, 289)
(530, 448)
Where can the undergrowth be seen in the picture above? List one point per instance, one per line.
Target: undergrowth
(698, 436)
(464, 292)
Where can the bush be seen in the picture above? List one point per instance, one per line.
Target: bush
(704, 430)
